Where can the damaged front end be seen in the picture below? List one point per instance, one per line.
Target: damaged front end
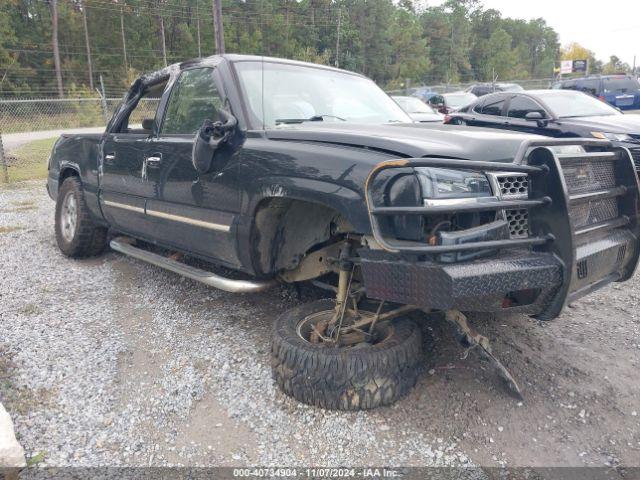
(532, 235)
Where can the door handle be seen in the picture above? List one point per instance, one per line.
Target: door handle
(109, 157)
(153, 160)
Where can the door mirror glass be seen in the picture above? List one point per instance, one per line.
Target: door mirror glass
(211, 137)
(534, 116)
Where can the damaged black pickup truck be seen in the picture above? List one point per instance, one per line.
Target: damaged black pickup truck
(288, 172)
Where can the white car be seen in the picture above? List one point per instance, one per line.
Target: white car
(418, 110)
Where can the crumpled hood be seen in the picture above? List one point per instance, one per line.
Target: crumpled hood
(411, 140)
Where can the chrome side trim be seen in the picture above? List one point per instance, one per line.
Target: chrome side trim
(123, 206)
(122, 245)
(169, 216)
(190, 221)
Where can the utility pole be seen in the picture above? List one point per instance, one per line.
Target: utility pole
(54, 41)
(124, 42)
(164, 46)
(451, 54)
(217, 25)
(198, 25)
(86, 41)
(338, 38)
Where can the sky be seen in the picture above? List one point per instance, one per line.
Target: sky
(606, 27)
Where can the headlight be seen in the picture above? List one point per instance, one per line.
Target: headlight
(620, 137)
(441, 183)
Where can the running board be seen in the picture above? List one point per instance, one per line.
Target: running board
(123, 245)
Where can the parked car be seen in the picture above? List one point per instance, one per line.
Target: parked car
(284, 172)
(450, 102)
(621, 91)
(418, 110)
(480, 89)
(424, 93)
(554, 113)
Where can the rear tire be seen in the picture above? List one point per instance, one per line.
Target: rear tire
(76, 233)
(344, 378)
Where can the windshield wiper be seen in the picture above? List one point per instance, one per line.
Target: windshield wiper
(314, 118)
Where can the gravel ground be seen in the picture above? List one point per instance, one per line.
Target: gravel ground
(112, 362)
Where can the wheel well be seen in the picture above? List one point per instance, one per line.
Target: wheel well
(66, 173)
(284, 230)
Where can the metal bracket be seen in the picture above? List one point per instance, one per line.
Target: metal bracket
(471, 338)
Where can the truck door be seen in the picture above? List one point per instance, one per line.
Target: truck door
(194, 212)
(124, 184)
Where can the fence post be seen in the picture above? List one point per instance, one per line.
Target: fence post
(3, 162)
(103, 101)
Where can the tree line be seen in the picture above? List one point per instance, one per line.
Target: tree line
(67, 47)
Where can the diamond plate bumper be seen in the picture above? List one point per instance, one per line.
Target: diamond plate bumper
(479, 285)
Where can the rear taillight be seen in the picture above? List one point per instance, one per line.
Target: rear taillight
(601, 97)
(447, 118)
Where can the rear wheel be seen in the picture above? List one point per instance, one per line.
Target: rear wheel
(76, 233)
(358, 371)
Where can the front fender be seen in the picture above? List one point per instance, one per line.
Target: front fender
(349, 203)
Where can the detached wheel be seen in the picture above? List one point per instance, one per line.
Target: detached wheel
(353, 376)
(76, 233)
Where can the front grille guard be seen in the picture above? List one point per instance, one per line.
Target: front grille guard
(551, 226)
(548, 193)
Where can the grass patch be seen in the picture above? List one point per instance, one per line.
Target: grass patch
(29, 161)
(9, 229)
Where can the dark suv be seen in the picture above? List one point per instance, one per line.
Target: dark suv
(622, 91)
(480, 89)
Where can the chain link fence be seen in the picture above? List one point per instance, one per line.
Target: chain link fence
(29, 127)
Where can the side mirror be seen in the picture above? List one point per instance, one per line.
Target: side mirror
(209, 138)
(147, 123)
(537, 117)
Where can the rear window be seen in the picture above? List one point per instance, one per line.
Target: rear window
(620, 85)
(589, 85)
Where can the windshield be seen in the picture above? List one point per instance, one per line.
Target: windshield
(511, 87)
(413, 105)
(459, 99)
(293, 93)
(620, 85)
(566, 104)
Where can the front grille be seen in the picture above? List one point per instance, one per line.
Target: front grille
(513, 186)
(583, 177)
(635, 154)
(518, 222)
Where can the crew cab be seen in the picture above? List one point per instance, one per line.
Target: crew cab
(287, 172)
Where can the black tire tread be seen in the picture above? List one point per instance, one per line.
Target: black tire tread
(90, 239)
(344, 379)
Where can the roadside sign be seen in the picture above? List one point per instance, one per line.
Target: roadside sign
(580, 66)
(566, 66)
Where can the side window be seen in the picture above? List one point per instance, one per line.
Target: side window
(589, 86)
(436, 100)
(520, 106)
(194, 98)
(493, 105)
(139, 119)
(478, 107)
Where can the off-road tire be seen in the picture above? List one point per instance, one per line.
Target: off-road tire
(88, 239)
(344, 378)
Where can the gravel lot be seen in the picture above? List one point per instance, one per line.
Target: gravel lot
(112, 362)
